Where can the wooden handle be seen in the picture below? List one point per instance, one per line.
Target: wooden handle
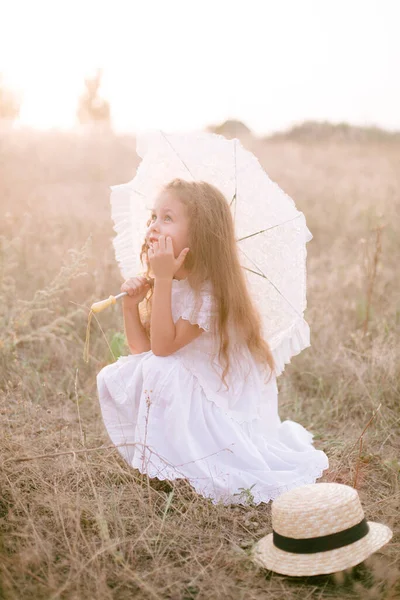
(99, 306)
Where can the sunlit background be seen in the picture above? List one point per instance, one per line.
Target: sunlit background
(185, 64)
(317, 82)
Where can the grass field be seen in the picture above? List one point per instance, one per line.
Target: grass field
(85, 525)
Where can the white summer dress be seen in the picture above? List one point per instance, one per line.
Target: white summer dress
(171, 417)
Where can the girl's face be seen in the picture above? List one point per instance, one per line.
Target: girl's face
(169, 218)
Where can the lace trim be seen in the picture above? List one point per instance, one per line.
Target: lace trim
(179, 282)
(309, 477)
(202, 320)
(203, 316)
(259, 492)
(184, 306)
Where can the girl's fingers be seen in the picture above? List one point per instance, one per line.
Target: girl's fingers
(168, 244)
(161, 242)
(134, 285)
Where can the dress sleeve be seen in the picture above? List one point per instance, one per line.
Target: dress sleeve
(200, 313)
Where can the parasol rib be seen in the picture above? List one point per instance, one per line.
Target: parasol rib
(268, 228)
(181, 159)
(261, 274)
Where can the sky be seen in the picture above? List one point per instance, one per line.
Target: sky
(181, 65)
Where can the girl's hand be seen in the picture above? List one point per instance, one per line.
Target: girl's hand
(162, 259)
(137, 288)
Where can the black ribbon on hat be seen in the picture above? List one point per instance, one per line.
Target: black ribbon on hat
(322, 543)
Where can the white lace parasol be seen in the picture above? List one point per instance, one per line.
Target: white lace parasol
(271, 233)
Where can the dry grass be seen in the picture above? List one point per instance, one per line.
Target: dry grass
(85, 525)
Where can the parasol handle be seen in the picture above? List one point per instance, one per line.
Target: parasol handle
(102, 304)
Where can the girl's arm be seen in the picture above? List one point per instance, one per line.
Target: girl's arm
(135, 333)
(162, 326)
(166, 338)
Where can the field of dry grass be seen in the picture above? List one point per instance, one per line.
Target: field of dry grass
(85, 525)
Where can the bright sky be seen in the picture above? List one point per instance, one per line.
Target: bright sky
(184, 64)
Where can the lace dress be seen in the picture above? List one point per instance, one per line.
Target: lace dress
(171, 417)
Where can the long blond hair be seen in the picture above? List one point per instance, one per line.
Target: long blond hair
(214, 256)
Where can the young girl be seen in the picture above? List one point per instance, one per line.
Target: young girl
(198, 398)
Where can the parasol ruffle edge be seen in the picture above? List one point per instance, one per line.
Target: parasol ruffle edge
(296, 339)
(123, 242)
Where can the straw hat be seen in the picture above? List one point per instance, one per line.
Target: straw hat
(318, 528)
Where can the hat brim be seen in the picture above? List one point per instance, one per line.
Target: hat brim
(270, 557)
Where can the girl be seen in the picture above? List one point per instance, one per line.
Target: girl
(198, 398)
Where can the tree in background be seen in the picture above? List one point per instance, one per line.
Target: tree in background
(231, 129)
(9, 103)
(92, 109)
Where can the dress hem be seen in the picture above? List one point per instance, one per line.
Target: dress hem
(265, 494)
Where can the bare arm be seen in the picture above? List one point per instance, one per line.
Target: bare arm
(135, 333)
(162, 325)
(166, 337)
